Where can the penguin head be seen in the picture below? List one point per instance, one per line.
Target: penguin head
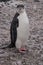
(20, 5)
(20, 8)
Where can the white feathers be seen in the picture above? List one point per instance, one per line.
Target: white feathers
(18, 43)
(23, 30)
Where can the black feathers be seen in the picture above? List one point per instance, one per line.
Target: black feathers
(13, 29)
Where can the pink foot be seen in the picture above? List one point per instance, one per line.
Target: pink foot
(22, 49)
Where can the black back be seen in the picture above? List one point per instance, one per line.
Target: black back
(15, 21)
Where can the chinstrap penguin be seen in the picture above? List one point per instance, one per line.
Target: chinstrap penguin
(23, 29)
(19, 30)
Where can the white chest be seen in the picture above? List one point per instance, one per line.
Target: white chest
(23, 29)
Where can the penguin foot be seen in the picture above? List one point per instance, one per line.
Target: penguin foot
(22, 49)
